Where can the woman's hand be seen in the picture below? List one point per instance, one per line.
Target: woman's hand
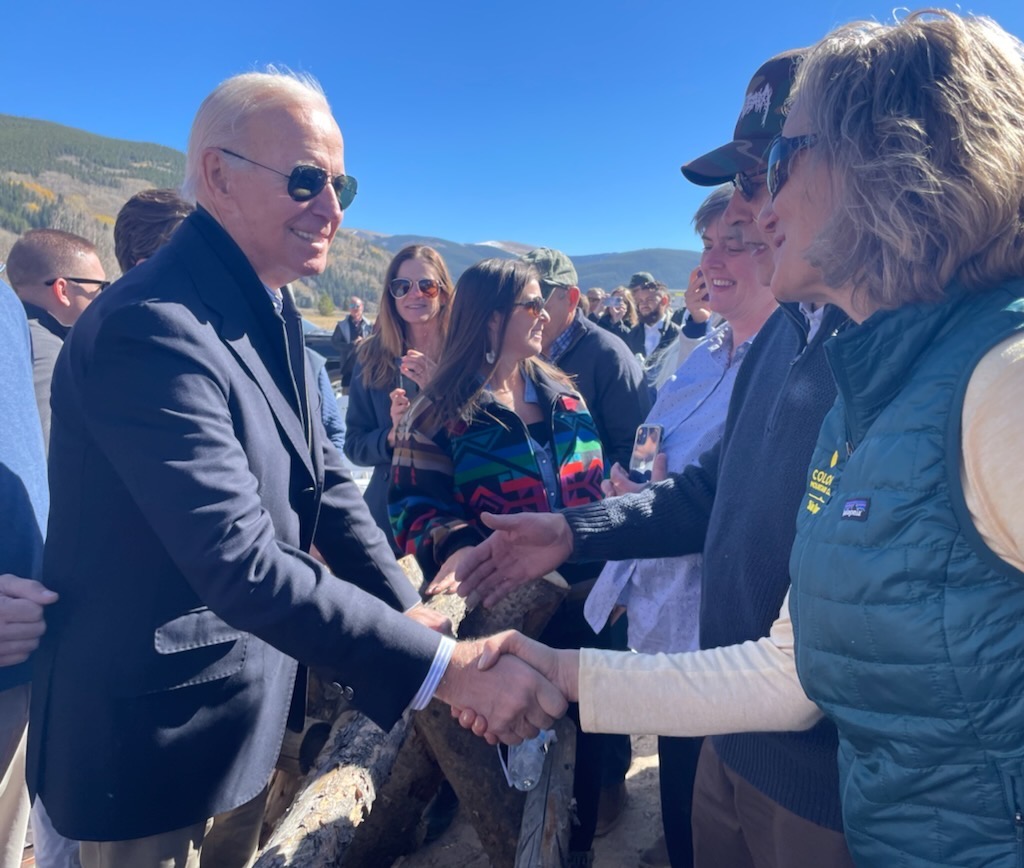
(616, 312)
(447, 578)
(418, 368)
(399, 404)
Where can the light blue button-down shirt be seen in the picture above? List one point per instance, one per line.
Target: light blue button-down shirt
(662, 595)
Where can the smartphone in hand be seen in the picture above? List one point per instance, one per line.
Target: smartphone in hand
(645, 447)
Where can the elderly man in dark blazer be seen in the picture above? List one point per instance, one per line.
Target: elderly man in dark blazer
(191, 477)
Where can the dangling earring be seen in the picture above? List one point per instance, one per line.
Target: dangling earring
(489, 357)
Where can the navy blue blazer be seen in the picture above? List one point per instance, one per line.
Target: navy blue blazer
(185, 498)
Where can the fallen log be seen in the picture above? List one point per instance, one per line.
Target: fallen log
(547, 818)
(358, 772)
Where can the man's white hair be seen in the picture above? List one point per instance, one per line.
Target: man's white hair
(224, 113)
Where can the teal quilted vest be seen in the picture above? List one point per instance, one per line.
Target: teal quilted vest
(909, 630)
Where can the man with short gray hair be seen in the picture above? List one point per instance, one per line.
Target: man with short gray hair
(190, 478)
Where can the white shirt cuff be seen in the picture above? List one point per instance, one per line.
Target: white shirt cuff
(437, 670)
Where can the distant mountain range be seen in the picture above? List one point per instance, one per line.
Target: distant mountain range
(57, 176)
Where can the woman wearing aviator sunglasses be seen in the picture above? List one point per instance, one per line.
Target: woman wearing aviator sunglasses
(395, 363)
(897, 195)
(498, 430)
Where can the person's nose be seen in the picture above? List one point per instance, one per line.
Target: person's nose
(711, 259)
(737, 211)
(326, 204)
(767, 218)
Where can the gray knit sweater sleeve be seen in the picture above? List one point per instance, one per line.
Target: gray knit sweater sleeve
(667, 519)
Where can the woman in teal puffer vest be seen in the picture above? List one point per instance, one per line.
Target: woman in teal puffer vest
(898, 195)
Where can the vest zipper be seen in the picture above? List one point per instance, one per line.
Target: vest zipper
(1017, 796)
(1018, 824)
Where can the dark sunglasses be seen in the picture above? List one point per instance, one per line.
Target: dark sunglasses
(100, 284)
(400, 287)
(748, 184)
(534, 307)
(306, 182)
(649, 285)
(780, 158)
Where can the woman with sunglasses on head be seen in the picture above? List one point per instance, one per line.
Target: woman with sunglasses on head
(394, 363)
(499, 430)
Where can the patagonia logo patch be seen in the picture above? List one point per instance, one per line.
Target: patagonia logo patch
(857, 509)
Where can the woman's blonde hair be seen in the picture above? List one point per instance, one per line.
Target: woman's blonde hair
(922, 126)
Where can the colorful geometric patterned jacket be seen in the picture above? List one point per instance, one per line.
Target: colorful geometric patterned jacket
(444, 476)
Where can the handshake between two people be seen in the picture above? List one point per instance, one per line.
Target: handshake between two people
(504, 688)
(507, 687)
(525, 686)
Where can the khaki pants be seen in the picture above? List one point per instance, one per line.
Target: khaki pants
(736, 826)
(228, 840)
(14, 804)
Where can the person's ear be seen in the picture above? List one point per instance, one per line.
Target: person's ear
(60, 292)
(573, 293)
(214, 171)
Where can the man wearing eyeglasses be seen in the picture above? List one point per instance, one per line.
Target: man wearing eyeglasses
(190, 477)
(56, 275)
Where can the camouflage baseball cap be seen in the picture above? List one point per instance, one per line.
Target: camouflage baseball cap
(555, 269)
(760, 121)
(640, 279)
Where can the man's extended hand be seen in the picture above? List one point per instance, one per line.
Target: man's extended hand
(560, 667)
(21, 617)
(514, 700)
(523, 547)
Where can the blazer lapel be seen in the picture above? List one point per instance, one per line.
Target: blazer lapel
(228, 285)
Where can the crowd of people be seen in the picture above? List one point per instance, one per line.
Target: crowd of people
(816, 603)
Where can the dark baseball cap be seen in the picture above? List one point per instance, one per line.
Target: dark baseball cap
(760, 121)
(554, 267)
(641, 278)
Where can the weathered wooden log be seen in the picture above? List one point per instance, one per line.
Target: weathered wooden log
(337, 795)
(547, 818)
(394, 826)
(470, 764)
(352, 772)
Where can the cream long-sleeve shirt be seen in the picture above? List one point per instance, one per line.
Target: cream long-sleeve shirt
(753, 687)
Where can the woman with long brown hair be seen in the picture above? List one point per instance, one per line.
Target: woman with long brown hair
(395, 363)
(500, 430)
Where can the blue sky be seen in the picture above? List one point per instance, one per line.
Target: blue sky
(558, 123)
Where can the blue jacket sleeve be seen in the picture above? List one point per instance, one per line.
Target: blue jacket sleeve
(367, 424)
